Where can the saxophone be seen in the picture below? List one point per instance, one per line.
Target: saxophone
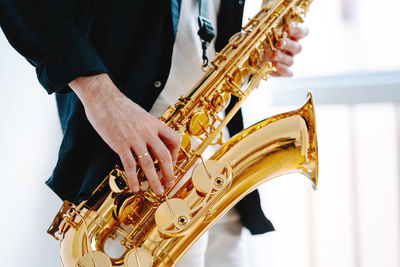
(157, 230)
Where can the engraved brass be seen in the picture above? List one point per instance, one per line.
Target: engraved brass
(98, 258)
(173, 213)
(211, 176)
(138, 257)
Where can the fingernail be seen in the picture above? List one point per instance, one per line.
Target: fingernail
(135, 189)
(170, 184)
(160, 190)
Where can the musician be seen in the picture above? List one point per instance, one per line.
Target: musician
(109, 65)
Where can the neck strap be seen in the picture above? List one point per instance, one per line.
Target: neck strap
(206, 29)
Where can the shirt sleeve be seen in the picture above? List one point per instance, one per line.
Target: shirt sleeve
(46, 34)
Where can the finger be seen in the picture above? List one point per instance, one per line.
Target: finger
(164, 158)
(268, 53)
(282, 70)
(280, 57)
(129, 163)
(172, 140)
(147, 164)
(289, 46)
(297, 32)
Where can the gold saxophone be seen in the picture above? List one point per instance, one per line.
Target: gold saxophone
(157, 230)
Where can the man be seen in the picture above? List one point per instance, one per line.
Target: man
(108, 63)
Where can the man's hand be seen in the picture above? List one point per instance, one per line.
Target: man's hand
(128, 129)
(283, 57)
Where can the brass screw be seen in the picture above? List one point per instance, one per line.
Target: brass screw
(218, 181)
(182, 220)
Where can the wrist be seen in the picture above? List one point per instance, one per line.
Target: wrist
(94, 89)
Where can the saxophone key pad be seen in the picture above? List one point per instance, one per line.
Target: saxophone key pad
(93, 259)
(138, 257)
(213, 175)
(199, 123)
(186, 146)
(172, 216)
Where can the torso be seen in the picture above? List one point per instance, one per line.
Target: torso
(187, 55)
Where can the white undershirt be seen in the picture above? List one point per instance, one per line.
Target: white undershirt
(186, 56)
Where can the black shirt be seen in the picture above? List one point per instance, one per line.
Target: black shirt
(132, 41)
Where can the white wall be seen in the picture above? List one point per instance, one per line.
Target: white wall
(29, 140)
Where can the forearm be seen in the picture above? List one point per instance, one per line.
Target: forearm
(95, 89)
(45, 33)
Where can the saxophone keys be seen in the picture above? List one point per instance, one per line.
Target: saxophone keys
(117, 183)
(186, 147)
(236, 39)
(172, 216)
(128, 208)
(242, 76)
(220, 100)
(138, 257)
(269, 68)
(93, 259)
(199, 122)
(211, 175)
(294, 16)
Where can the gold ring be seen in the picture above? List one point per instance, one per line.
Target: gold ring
(143, 155)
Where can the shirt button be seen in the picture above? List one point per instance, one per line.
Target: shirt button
(157, 84)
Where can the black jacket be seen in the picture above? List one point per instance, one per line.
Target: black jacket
(130, 40)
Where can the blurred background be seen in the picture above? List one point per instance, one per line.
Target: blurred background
(350, 61)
